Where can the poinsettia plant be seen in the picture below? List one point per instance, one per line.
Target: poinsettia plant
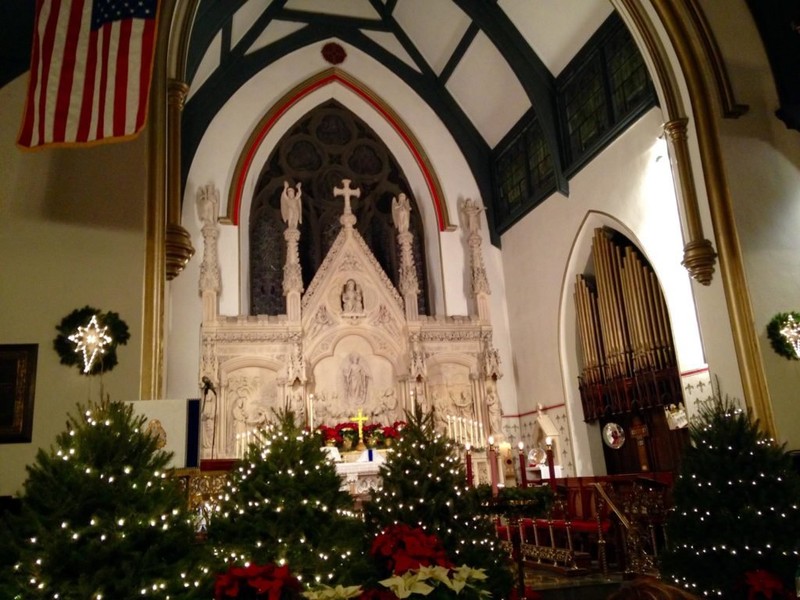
(345, 435)
(254, 582)
(400, 548)
(418, 565)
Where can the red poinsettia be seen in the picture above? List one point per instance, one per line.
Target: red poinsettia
(402, 548)
(329, 433)
(763, 584)
(390, 432)
(269, 582)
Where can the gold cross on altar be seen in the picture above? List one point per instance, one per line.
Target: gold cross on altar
(360, 420)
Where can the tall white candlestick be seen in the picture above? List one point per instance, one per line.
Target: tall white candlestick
(480, 432)
(311, 412)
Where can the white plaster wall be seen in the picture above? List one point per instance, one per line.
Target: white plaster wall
(215, 162)
(628, 187)
(71, 235)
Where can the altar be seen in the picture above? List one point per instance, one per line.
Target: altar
(351, 341)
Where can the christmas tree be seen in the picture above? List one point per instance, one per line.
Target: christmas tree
(283, 506)
(100, 517)
(735, 527)
(424, 485)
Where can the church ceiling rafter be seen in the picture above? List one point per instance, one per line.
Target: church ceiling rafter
(239, 66)
(372, 26)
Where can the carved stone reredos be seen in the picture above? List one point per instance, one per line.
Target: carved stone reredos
(379, 311)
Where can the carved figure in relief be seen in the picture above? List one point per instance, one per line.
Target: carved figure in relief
(401, 211)
(462, 403)
(291, 205)
(295, 402)
(386, 410)
(322, 320)
(207, 202)
(473, 209)
(492, 365)
(296, 369)
(495, 412)
(352, 300)
(209, 416)
(356, 380)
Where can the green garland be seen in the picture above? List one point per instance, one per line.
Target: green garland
(779, 343)
(117, 329)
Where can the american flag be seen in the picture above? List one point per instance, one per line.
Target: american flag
(90, 71)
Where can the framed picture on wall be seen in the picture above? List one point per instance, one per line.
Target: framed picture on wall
(17, 389)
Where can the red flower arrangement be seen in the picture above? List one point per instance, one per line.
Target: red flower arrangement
(402, 548)
(763, 584)
(329, 435)
(269, 582)
(345, 435)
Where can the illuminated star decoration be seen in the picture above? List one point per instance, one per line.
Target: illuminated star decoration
(791, 333)
(91, 341)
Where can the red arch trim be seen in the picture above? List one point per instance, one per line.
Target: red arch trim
(304, 90)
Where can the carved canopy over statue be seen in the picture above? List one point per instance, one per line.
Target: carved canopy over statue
(349, 343)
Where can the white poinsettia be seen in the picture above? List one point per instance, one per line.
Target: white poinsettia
(339, 592)
(424, 580)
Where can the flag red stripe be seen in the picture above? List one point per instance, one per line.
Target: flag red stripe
(105, 33)
(47, 57)
(121, 77)
(67, 71)
(85, 120)
(84, 85)
(148, 43)
(27, 120)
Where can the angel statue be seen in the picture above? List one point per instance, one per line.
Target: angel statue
(291, 207)
(401, 210)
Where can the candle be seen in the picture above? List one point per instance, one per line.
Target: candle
(413, 404)
(449, 428)
(469, 465)
(523, 475)
(311, 412)
(493, 465)
(480, 431)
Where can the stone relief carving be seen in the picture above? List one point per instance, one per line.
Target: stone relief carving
(322, 321)
(352, 298)
(358, 348)
(356, 376)
(495, 411)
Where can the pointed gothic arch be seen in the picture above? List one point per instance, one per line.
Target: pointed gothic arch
(325, 146)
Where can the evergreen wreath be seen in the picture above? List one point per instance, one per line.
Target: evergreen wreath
(80, 317)
(779, 343)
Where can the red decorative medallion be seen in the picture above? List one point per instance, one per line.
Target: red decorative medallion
(333, 53)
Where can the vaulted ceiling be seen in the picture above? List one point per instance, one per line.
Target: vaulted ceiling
(479, 64)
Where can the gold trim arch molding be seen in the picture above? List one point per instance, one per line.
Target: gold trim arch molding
(334, 76)
(680, 25)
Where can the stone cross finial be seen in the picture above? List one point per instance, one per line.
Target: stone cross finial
(347, 192)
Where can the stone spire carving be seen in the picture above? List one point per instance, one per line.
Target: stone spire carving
(409, 286)
(480, 283)
(292, 214)
(207, 211)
